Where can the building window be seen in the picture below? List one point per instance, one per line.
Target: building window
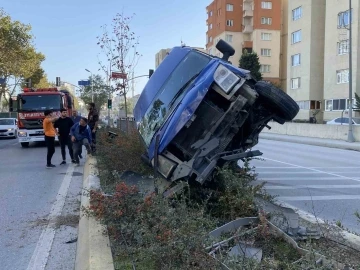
(296, 13)
(265, 52)
(229, 22)
(229, 7)
(210, 39)
(342, 76)
(265, 36)
(343, 47)
(295, 83)
(210, 13)
(337, 104)
(266, 5)
(344, 18)
(265, 68)
(295, 60)
(228, 38)
(210, 26)
(265, 20)
(304, 105)
(219, 12)
(296, 37)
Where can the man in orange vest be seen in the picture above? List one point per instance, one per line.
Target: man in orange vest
(50, 133)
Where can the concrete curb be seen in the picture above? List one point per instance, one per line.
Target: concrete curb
(93, 248)
(333, 232)
(311, 141)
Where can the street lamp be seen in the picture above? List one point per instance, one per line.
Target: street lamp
(350, 132)
(92, 85)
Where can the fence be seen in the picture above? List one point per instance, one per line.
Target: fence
(121, 123)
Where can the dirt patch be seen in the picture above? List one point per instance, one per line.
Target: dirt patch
(68, 220)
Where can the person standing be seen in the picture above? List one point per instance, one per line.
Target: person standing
(76, 119)
(81, 135)
(93, 118)
(63, 126)
(50, 133)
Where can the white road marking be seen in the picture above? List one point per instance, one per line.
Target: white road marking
(15, 143)
(308, 167)
(302, 178)
(318, 198)
(41, 254)
(315, 170)
(313, 186)
(282, 172)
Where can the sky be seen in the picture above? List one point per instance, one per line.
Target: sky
(65, 31)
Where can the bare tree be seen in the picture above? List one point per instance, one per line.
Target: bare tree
(120, 48)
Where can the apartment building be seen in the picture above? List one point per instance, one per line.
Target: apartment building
(318, 56)
(336, 62)
(159, 57)
(305, 52)
(252, 25)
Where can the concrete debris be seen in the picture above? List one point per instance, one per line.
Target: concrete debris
(287, 220)
(247, 251)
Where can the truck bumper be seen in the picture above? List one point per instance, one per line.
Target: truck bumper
(34, 135)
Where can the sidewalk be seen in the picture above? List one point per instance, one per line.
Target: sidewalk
(311, 141)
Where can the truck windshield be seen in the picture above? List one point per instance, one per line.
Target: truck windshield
(39, 102)
(171, 92)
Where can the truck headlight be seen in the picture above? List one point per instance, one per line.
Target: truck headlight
(22, 134)
(165, 166)
(225, 78)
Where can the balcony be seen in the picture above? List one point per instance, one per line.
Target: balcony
(248, 13)
(248, 29)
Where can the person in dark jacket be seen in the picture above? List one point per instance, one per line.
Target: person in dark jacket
(93, 118)
(76, 118)
(81, 135)
(63, 126)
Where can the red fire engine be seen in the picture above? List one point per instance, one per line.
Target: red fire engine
(31, 105)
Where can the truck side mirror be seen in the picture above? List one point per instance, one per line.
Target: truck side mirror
(11, 105)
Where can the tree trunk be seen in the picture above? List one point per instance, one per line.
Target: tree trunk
(126, 114)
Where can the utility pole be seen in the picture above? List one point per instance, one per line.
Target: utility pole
(350, 132)
(92, 85)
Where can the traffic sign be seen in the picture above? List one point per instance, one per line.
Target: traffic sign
(84, 83)
(2, 80)
(118, 75)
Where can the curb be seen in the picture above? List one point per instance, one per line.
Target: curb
(311, 141)
(93, 249)
(335, 233)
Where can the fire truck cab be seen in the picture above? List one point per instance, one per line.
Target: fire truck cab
(31, 105)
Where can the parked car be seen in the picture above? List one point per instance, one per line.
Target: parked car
(344, 121)
(198, 112)
(8, 127)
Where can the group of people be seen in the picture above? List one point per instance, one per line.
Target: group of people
(73, 132)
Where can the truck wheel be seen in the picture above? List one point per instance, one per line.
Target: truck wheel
(277, 100)
(25, 144)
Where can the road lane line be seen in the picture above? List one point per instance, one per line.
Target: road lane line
(289, 178)
(41, 253)
(318, 198)
(308, 167)
(283, 172)
(312, 186)
(315, 170)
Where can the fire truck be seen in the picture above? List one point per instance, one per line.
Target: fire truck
(31, 105)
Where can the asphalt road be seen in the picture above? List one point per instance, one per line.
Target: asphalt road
(324, 182)
(39, 209)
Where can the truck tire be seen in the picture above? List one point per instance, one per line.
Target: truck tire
(277, 100)
(25, 144)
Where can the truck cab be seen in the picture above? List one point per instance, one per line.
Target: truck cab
(31, 105)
